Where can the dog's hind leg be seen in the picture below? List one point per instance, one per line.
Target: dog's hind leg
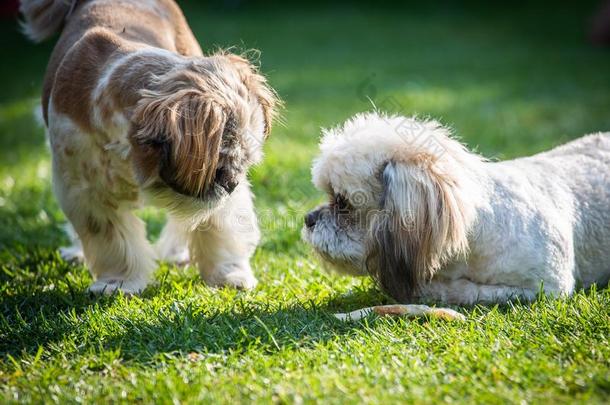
(222, 246)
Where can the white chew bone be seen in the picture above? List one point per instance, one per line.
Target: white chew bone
(409, 311)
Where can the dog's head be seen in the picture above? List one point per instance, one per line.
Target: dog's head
(199, 127)
(401, 200)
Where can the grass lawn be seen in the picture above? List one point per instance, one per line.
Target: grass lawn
(511, 81)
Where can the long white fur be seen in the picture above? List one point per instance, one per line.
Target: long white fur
(536, 222)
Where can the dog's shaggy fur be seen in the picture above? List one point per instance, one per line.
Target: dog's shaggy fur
(430, 220)
(135, 110)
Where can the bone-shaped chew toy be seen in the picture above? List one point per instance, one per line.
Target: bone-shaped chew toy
(409, 311)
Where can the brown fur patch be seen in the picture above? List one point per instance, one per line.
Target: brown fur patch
(129, 78)
(256, 85)
(78, 75)
(159, 24)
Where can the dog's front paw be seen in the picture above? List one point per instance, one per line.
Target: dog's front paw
(108, 286)
(236, 275)
(241, 280)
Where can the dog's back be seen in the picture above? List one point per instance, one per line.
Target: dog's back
(590, 145)
(131, 22)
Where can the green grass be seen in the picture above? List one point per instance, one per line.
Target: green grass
(511, 81)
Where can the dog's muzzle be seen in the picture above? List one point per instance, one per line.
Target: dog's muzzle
(225, 180)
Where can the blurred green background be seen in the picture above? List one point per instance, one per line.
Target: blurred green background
(511, 78)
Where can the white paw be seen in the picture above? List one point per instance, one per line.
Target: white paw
(108, 286)
(72, 254)
(241, 280)
(233, 275)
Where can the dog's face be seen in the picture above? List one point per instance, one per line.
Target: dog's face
(337, 231)
(350, 175)
(397, 205)
(199, 129)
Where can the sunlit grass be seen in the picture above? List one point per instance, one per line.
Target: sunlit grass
(510, 82)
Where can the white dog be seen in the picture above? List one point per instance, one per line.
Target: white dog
(430, 220)
(135, 110)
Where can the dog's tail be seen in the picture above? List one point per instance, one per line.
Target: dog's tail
(44, 17)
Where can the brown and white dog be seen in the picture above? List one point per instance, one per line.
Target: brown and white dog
(135, 111)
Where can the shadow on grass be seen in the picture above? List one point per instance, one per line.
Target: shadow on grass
(243, 328)
(65, 318)
(35, 312)
(42, 304)
(40, 300)
(42, 318)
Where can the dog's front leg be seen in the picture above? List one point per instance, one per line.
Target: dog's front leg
(223, 245)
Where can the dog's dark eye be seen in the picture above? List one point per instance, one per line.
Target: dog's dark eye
(340, 202)
(153, 142)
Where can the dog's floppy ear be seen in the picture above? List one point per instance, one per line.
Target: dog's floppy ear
(422, 223)
(257, 85)
(184, 123)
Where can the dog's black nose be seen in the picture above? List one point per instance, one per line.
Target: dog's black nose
(225, 180)
(230, 186)
(311, 218)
